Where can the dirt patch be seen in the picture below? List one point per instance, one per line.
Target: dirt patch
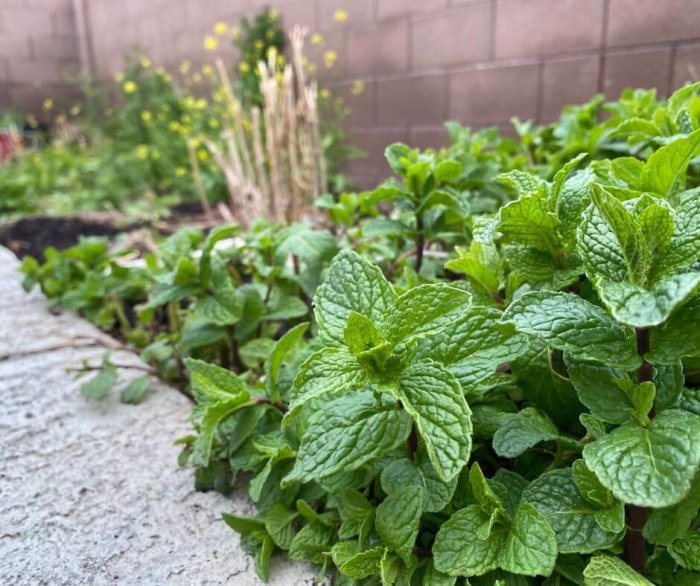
(30, 236)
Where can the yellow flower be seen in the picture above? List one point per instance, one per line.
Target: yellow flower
(213, 123)
(146, 116)
(329, 58)
(317, 39)
(180, 171)
(142, 152)
(220, 28)
(243, 67)
(259, 44)
(60, 119)
(167, 77)
(235, 33)
(210, 43)
(75, 110)
(185, 67)
(32, 121)
(200, 104)
(324, 93)
(48, 104)
(273, 13)
(145, 62)
(155, 155)
(341, 15)
(119, 77)
(197, 77)
(160, 71)
(281, 61)
(202, 155)
(358, 87)
(207, 70)
(174, 126)
(130, 87)
(311, 68)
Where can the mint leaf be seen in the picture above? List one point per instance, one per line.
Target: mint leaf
(352, 284)
(398, 519)
(684, 248)
(363, 564)
(330, 371)
(640, 308)
(598, 389)
(213, 415)
(211, 383)
(605, 570)
(134, 392)
(282, 347)
(530, 548)
(571, 516)
(570, 204)
(665, 525)
(527, 547)
(522, 431)
(458, 551)
(346, 434)
(664, 171)
(434, 399)
(648, 467)
(528, 221)
(99, 386)
(569, 323)
(686, 550)
(678, 337)
(424, 310)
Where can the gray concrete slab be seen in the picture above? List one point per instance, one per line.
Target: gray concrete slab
(90, 492)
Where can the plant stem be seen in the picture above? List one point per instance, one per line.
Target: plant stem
(420, 242)
(635, 545)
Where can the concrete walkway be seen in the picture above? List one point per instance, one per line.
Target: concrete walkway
(90, 492)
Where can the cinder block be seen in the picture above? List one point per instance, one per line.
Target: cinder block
(547, 27)
(632, 22)
(447, 38)
(360, 104)
(419, 100)
(424, 137)
(489, 95)
(637, 69)
(568, 81)
(687, 66)
(378, 50)
(396, 8)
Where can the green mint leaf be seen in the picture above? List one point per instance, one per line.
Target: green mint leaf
(211, 383)
(597, 389)
(524, 184)
(425, 310)
(397, 155)
(571, 516)
(213, 416)
(665, 525)
(640, 308)
(589, 486)
(135, 391)
(561, 176)
(473, 347)
(363, 564)
(99, 386)
(605, 570)
(686, 550)
(536, 266)
(678, 337)
(346, 434)
(570, 205)
(311, 543)
(361, 334)
(528, 221)
(657, 223)
(458, 551)
(648, 467)
(222, 307)
(279, 525)
(483, 491)
(481, 264)
(352, 284)
(433, 577)
(328, 371)
(522, 431)
(398, 519)
(419, 472)
(282, 347)
(567, 322)
(435, 401)
(684, 248)
(665, 170)
(624, 236)
(530, 548)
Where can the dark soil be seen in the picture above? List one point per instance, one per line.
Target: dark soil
(30, 236)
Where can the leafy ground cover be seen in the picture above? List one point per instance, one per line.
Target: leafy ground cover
(484, 371)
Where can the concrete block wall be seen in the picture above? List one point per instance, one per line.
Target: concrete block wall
(39, 53)
(425, 61)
